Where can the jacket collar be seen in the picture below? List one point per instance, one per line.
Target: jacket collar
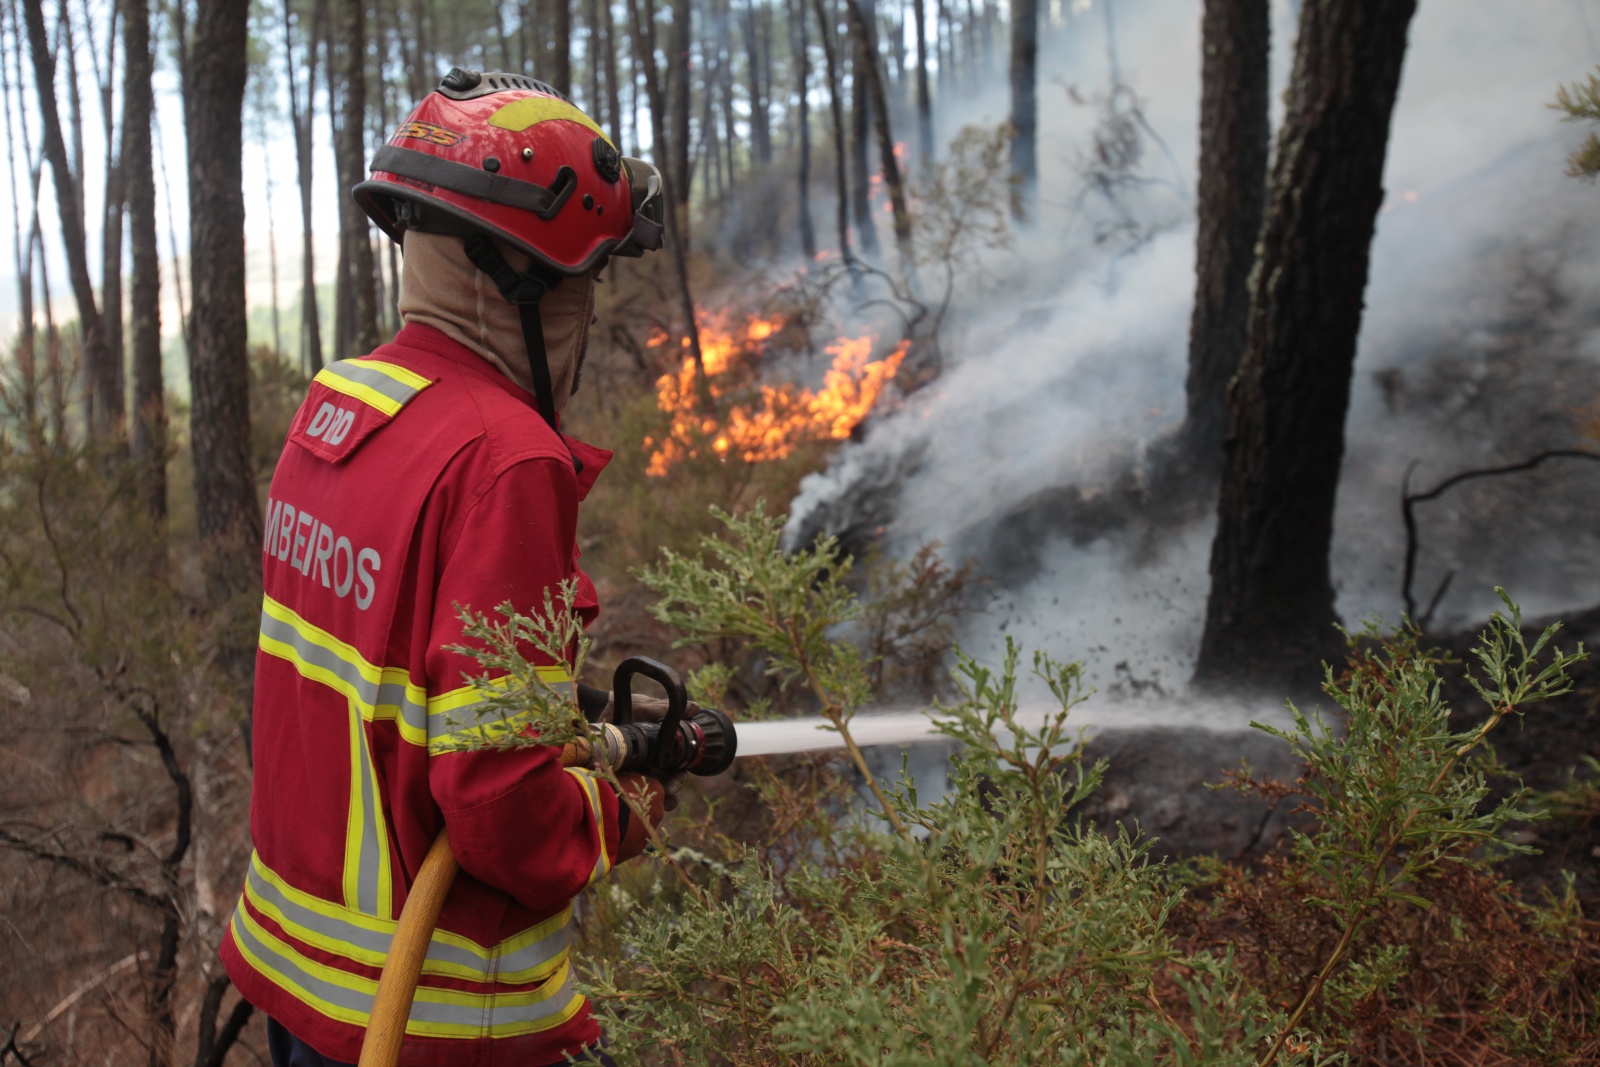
(589, 460)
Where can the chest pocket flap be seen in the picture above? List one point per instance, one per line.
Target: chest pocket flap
(348, 401)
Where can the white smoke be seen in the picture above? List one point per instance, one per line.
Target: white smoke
(1073, 353)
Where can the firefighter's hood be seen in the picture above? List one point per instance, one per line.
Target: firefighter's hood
(440, 287)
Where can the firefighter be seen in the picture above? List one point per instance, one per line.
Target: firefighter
(430, 474)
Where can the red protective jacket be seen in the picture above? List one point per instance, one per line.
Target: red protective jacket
(413, 480)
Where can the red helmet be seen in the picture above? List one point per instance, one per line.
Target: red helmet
(506, 156)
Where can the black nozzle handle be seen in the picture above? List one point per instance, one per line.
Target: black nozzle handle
(677, 701)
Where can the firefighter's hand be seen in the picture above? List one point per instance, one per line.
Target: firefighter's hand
(649, 795)
(645, 708)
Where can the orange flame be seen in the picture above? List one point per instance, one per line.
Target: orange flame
(778, 418)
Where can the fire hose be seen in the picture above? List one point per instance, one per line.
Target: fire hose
(703, 743)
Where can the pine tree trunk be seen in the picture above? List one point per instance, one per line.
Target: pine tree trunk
(69, 203)
(301, 114)
(355, 235)
(1271, 610)
(1024, 100)
(144, 294)
(594, 101)
(861, 119)
(924, 104)
(681, 89)
(886, 158)
(561, 46)
(613, 86)
(114, 396)
(802, 75)
(219, 373)
(836, 108)
(760, 114)
(1234, 142)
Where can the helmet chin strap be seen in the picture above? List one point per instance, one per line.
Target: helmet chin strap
(524, 290)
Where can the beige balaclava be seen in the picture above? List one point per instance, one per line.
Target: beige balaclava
(440, 287)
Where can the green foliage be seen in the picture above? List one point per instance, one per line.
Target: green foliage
(1580, 102)
(990, 926)
(522, 704)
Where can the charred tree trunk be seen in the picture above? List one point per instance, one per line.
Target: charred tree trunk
(861, 119)
(836, 109)
(595, 100)
(802, 75)
(219, 370)
(22, 237)
(1271, 609)
(1024, 101)
(301, 113)
(760, 91)
(924, 104)
(886, 157)
(643, 16)
(561, 46)
(682, 88)
(1234, 141)
(355, 236)
(70, 205)
(144, 295)
(613, 86)
(113, 397)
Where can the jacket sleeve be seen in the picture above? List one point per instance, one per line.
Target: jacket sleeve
(518, 820)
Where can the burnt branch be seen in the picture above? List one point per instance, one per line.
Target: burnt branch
(98, 873)
(1410, 500)
(11, 1049)
(212, 1044)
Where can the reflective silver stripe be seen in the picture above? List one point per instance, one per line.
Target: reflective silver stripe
(369, 694)
(375, 380)
(370, 869)
(470, 1014)
(553, 999)
(285, 969)
(341, 936)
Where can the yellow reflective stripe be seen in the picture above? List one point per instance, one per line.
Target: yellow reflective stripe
(529, 956)
(380, 694)
(591, 789)
(532, 110)
(435, 1012)
(368, 885)
(385, 386)
(452, 720)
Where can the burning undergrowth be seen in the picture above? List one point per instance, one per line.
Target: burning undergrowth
(739, 411)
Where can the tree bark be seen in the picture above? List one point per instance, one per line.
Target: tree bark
(22, 237)
(144, 294)
(613, 87)
(681, 90)
(924, 104)
(355, 235)
(1271, 609)
(1024, 101)
(69, 202)
(300, 118)
(760, 91)
(861, 119)
(886, 158)
(561, 46)
(219, 372)
(1234, 142)
(836, 108)
(643, 16)
(113, 397)
(802, 75)
(594, 101)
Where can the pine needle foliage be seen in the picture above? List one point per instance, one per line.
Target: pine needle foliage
(990, 925)
(1580, 102)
